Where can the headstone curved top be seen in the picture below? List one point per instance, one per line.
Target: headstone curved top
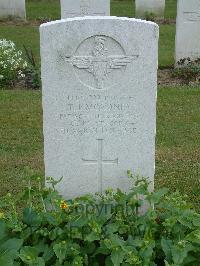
(146, 8)
(188, 30)
(12, 8)
(79, 8)
(99, 101)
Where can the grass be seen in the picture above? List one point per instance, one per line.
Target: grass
(42, 9)
(171, 8)
(21, 137)
(178, 143)
(166, 45)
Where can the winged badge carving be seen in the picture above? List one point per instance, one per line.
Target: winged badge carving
(99, 64)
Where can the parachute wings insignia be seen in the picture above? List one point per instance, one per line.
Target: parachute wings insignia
(99, 64)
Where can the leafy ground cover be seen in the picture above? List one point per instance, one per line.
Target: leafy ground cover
(177, 152)
(96, 230)
(22, 35)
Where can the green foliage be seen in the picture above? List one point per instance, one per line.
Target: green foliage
(149, 16)
(188, 70)
(12, 64)
(9, 246)
(14, 69)
(108, 229)
(33, 74)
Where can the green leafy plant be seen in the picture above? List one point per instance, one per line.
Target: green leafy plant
(12, 63)
(188, 70)
(33, 75)
(138, 228)
(9, 245)
(149, 16)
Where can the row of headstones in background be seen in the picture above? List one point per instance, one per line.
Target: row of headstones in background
(72, 8)
(12, 8)
(99, 77)
(78, 8)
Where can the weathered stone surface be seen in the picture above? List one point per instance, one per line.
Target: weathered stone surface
(99, 101)
(79, 8)
(188, 30)
(148, 7)
(12, 8)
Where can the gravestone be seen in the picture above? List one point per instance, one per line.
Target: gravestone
(79, 8)
(99, 101)
(146, 8)
(188, 30)
(12, 8)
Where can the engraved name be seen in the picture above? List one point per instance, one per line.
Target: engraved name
(93, 114)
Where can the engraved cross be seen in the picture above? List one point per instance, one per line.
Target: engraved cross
(100, 162)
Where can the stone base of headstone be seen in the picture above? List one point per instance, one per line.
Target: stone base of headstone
(13, 9)
(150, 8)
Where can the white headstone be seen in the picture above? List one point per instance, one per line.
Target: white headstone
(79, 8)
(148, 7)
(99, 101)
(12, 8)
(188, 30)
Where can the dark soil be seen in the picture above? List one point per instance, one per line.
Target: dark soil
(166, 21)
(38, 22)
(166, 78)
(22, 22)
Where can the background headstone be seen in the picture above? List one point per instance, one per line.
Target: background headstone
(12, 8)
(148, 7)
(188, 30)
(99, 101)
(79, 8)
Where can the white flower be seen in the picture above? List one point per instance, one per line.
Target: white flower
(25, 64)
(12, 63)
